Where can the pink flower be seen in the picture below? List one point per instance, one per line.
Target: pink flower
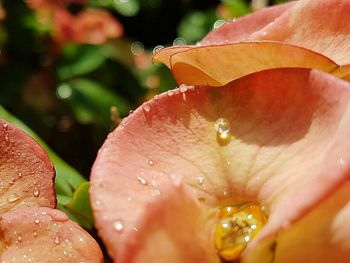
(253, 167)
(31, 229)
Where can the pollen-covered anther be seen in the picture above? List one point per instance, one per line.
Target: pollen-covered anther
(236, 227)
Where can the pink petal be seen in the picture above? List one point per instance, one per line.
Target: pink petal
(320, 236)
(27, 174)
(176, 225)
(242, 28)
(287, 126)
(45, 235)
(321, 26)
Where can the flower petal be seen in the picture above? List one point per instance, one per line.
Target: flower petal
(321, 236)
(27, 174)
(242, 28)
(286, 128)
(45, 235)
(321, 26)
(176, 225)
(219, 64)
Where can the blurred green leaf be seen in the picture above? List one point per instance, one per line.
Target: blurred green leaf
(80, 59)
(237, 7)
(67, 178)
(90, 101)
(126, 7)
(79, 206)
(196, 25)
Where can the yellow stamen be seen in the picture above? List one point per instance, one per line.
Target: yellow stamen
(237, 226)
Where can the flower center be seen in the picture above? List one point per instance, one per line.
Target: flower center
(237, 226)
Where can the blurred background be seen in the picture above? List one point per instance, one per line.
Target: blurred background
(71, 69)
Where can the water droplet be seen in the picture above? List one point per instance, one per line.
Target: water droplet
(155, 192)
(142, 180)
(57, 240)
(12, 198)
(157, 48)
(20, 175)
(183, 88)
(200, 180)
(37, 221)
(130, 112)
(236, 227)
(179, 41)
(64, 91)
(35, 233)
(150, 162)
(146, 107)
(137, 48)
(19, 238)
(222, 125)
(5, 125)
(219, 23)
(36, 192)
(170, 93)
(118, 225)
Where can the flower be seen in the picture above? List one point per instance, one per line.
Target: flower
(90, 26)
(298, 34)
(253, 167)
(31, 229)
(276, 137)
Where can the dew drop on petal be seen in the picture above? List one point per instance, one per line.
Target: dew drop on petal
(12, 198)
(142, 180)
(146, 107)
(118, 226)
(222, 125)
(150, 162)
(57, 240)
(37, 221)
(200, 180)
(183, 88)
(157, 48)
(36, 192)
(170, 93)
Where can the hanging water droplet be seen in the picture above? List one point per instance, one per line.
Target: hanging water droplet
(170, 93)
(5, 125)
(118, 225)
(142, 180)
(20, 175)
(37, 221)
(222, 127)
(200, 180)
(57, 240)
(36, 192)
(35, 233)
(12, 198)
(150, 162)
(183, 88)
(19, 238)
(146, 107)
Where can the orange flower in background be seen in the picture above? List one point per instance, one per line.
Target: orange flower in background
(248, 162)
(32, 230)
